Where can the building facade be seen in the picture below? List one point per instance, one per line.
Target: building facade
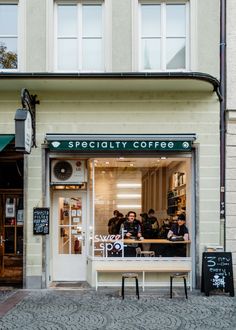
(230, 132)
(128, 120)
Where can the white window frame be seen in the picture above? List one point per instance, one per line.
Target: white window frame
(20, 34)
(52, 64)
(191, 38)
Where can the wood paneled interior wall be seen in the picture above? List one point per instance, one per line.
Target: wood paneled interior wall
(155, 185)
(154, 190)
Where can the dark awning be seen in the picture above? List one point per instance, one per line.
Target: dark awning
(5, 139)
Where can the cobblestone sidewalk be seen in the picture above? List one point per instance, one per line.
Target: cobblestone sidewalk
(91, 310)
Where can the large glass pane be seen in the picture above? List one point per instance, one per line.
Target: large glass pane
(154, 190)
(175, 20)
(67, 54)
(92, 54)
(8, 20)
(19, 240)
(175, 53)
(151, 56)
(9, 240)
(70, 226)
(8, 53)
(67, 20)
(92, 21)
(151, 20)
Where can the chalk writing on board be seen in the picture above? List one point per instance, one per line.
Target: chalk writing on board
(41, 221)
(217, 272)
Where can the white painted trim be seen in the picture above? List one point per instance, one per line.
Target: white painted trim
(193, 36)
(50, 28)
(107, 13)
(106, 38)
(21, 31)
(191, 29)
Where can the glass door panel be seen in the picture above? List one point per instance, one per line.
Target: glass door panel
(69, 225)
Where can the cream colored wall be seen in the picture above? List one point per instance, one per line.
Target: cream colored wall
(33, 198)
(231, 55)
(231, 134)
(35, 27)
(208, 36)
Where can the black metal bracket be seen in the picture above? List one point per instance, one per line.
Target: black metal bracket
(29, 103)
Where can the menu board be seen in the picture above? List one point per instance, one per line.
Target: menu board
(41, 220)
(217, 272)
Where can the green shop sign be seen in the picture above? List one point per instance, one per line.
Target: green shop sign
(124, 145)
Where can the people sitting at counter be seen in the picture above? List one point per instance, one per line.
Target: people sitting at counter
(149, 225)
(112, 223)
(115, 222)
(131, 229)
(178, 232)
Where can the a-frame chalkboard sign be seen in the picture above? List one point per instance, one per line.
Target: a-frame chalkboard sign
(217, 272)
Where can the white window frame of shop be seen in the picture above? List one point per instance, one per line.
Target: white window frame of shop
(18, 35)
(79, 37)
(190, 34)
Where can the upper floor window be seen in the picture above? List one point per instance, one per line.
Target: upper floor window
(80, 37)
(8, 36)
(163, 36)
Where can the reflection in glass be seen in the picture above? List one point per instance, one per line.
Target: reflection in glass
(151, 57)
(9, 239)
(92, 54)
(8, 20)
(175, 53)
(19, 240)
(67, 54)
(151, 21)
(175, 21)
(92, 21)
(8, 36)
(67, 20)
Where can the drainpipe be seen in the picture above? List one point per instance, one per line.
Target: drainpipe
(222, 116)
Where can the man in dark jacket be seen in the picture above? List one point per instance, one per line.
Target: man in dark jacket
(177, 232)
(131, 229)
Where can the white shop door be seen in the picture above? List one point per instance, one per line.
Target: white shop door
(69, 246)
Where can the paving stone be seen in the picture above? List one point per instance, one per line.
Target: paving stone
(105, 309)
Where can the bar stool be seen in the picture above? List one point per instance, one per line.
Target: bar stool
(129, 275)
(179, 275)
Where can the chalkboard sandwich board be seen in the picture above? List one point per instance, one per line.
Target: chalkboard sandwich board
(41, 220)
(217, 272)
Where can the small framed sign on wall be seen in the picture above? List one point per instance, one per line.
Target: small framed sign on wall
(41, 220)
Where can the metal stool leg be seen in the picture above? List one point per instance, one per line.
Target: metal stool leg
(185, 288)
(171, 284)
(137, 288)
(123, 288)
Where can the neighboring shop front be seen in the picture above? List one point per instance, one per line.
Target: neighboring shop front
(11, 212)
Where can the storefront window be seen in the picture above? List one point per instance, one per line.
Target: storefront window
(137, 201)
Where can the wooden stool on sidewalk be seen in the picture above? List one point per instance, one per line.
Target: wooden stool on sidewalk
(129, 275)
(179, 275)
